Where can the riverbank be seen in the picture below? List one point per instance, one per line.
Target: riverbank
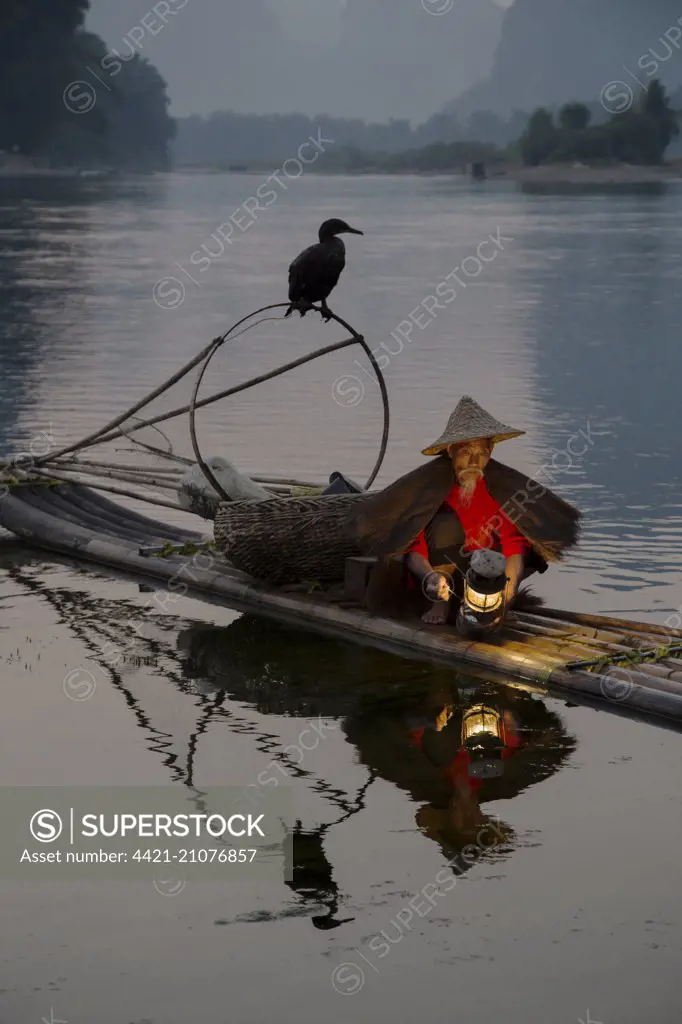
(579, 174)
(59, 173)
(559, 174)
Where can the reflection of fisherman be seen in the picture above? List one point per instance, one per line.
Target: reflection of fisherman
(313, 677)
(449, 815)
(419, 749)
(463, 500)
(466, 770)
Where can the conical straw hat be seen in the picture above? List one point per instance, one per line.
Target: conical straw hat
(469, 422)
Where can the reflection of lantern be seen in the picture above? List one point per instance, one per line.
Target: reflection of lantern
(481, 721)
(483, 606)
(483, 736)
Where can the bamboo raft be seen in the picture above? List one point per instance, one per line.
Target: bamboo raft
(618, 663)
(60, 505)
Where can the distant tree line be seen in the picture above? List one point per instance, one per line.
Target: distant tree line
(226, 138)
(638, 135)
(437, 157)
(576, 131)
(52, 105)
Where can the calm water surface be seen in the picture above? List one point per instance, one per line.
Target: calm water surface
(571, 334)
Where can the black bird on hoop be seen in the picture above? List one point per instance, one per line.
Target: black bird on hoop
(316, 271)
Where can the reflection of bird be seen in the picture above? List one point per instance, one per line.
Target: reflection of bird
(313, 878)
(316, 271)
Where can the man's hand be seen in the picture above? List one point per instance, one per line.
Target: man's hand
(514, 571)
(436, 587)
(444, 717)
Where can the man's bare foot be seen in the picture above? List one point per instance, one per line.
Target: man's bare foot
(437, 615)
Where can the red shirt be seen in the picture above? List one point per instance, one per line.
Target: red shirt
(484, 525)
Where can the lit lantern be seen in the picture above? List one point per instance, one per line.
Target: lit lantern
(483, 606)
(483, 736)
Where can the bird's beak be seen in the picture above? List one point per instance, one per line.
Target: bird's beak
(354, 231)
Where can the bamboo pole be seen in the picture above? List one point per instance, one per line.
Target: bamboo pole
(112, 490)
(283, 481)
(539, 645)
(638, 670)
(174, 471)
(128, 475)
(645, 642)
(101, 464)
(559, 636)
(604, 620)
(592, 632)
(627, 678)
(637, 656)
(131, 478)
(664, 669)
(136, 444)
(675, 665)
(277, 485)
(564, 650)
(202, 403)
(597, 650)
(97, 436)
(640, 698)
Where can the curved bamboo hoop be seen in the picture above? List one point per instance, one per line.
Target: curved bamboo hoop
(217, 344)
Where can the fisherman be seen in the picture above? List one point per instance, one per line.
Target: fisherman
(431, 520)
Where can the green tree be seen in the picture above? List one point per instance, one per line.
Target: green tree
(539, 139)
(657, 108)
(574, 117)
(642, 135)
(140, 129)
(43, 52)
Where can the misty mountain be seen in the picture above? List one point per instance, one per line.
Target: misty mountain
(551, 51)
(314, 22)
(374, 59)
(213, 55)
(398, 60)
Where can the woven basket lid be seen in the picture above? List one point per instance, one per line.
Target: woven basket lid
(469, 422)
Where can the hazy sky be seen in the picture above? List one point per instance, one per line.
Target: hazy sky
(382, 59)
(370, 59)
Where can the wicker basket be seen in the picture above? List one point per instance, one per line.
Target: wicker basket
(287, 540)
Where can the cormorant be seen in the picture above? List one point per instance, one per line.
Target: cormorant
(316, 271)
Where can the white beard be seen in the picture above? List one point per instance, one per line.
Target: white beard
(468, 481)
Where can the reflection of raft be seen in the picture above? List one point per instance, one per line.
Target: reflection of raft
(622, 664)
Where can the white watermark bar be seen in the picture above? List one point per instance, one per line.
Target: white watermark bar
(145, 832)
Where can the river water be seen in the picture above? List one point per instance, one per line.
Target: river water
(569, 330)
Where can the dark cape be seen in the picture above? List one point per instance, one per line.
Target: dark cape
(385, 524)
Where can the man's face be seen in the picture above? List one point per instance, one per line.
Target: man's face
(470, 459)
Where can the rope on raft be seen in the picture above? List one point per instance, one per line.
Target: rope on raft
(650, 655)
(170, 454)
